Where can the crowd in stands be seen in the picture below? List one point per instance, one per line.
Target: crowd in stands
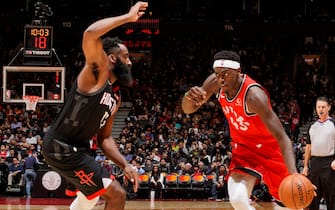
(158, 138)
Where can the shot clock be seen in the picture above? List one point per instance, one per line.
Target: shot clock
(38, 41)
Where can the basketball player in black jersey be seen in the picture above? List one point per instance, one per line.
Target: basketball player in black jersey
(89, 109)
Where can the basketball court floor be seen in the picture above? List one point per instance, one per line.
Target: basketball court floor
(20, 203)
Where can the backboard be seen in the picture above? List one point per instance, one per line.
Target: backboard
(44, 81)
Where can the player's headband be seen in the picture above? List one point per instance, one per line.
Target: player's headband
(226, 64)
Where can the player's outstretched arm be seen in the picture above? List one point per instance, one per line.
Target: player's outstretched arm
(97, 62)
(91, 42)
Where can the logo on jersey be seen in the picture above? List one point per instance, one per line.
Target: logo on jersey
(235, 119)
(108, 100)
(85, 178)
(238, 102)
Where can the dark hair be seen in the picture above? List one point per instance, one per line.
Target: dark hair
(227, 55)
(110, 44)
(323, 98)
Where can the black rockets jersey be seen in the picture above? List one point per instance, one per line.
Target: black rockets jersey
(83, 115)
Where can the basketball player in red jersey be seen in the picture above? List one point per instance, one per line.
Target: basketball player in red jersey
(261, 149)
(89, 110)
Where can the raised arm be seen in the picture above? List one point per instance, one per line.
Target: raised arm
(96, 69)
(91, 43)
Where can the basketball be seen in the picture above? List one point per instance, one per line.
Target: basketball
(296, 191)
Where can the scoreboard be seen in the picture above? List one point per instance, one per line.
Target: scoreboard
(138, 36)
(38, 41)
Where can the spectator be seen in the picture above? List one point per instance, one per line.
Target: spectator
(219, 188)
(3, 151)
(15, 173)
(118, 173)
(156, 181)
(4, 171)
(202, 167)
(100, 158)
(128, 154)
(12, 154)
(196, 171)
(164, 166)
(156, 157)
(139, 167)
(148, 165)
(30, 171)
(31, 139)
(205, 158)
(106, 165)
(16, 123)
(187, 169)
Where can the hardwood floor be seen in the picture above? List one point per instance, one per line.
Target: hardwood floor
(19, 203)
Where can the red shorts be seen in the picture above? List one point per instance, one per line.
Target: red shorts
(266, 161)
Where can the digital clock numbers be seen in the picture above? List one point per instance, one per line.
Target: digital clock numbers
(38, 41)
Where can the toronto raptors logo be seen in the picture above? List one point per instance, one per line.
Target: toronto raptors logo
(85, 178)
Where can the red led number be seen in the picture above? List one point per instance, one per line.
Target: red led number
(40, 42)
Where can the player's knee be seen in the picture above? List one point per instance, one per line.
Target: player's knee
(115, 190)
(123, 194)
(120, 192)
(82, 203)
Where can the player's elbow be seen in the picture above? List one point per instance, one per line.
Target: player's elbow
(90, 34)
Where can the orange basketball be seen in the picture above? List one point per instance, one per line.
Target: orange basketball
(296, 191)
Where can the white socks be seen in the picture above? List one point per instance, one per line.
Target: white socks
(239, 192)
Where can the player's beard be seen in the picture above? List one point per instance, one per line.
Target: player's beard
(123, 73)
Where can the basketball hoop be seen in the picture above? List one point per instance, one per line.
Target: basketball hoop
(31, 102)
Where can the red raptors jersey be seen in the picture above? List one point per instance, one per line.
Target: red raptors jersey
(245, 128)
(253, 146)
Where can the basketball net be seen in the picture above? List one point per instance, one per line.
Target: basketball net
(31, 102)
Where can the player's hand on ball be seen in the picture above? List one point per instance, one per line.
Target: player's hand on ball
(304, 172)
(296, 191)
(315, 188)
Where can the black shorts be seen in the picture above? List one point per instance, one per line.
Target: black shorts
(76, 165)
